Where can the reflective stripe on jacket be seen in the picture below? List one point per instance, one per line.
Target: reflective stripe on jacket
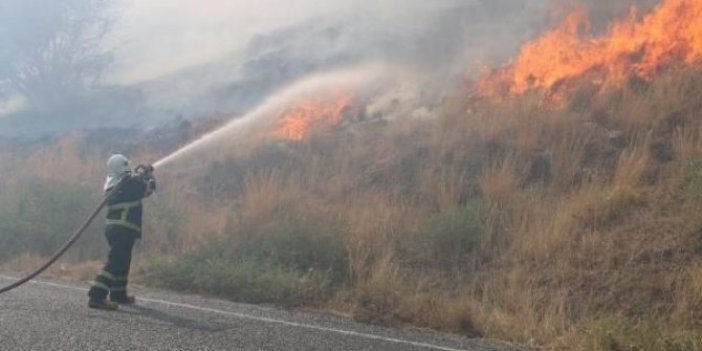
(124, 208)
(125, 214)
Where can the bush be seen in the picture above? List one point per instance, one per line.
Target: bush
(241, 280)
(39, 216)
(692, 182)
(447, 238)
(293, 262)
(616, 333)
(301, 244)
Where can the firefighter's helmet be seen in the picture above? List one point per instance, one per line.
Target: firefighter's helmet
(117, 168)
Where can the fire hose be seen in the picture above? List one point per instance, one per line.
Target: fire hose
(141, 171)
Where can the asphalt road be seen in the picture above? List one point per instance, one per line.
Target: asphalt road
(48, 315)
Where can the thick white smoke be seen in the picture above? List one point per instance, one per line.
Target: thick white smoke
(197, 58)
(158, 37)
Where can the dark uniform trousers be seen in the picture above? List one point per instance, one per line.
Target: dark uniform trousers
(113, 278)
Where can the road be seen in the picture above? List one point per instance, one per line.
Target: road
(50, 315)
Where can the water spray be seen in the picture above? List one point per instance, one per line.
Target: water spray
(352, 78)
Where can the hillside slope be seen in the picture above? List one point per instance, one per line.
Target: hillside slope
(560, 212)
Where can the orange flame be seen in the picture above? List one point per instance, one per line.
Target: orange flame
(671, 33)
(296, 122)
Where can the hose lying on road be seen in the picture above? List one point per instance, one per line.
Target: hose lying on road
(65, 246)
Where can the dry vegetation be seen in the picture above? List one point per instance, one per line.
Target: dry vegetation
(575, 226)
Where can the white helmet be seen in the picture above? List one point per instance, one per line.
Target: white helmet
(117, 168)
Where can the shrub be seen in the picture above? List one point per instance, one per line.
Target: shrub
(241, 280)
(302, 244)
(40, 215)
(447, 238)
(617, 333)
(297, 261)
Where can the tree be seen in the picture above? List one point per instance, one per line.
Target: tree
(51, 50)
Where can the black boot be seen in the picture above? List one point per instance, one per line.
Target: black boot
(122, 299)
(102, 304)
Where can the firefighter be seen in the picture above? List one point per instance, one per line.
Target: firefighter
(123, 228)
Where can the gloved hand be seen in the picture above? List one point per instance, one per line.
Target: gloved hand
(146, 174)
(144, 171)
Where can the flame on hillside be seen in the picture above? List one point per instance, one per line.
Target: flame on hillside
(670, 34)
(297, 121)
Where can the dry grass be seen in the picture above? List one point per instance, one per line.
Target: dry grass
(499, 181)
(375, 224)
(268, 193)
(64, 161)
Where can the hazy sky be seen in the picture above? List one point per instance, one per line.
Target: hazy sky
(155, 37)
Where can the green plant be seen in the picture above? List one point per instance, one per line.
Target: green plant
(447, 238)
(241, 279)
(40, 215)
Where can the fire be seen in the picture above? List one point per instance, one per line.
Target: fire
(296, 122)
(670, 34)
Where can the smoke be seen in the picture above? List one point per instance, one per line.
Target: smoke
(12, 104)
(161, 37)
(191, 59)
(254, 50)
(214, 58)
(602, 13)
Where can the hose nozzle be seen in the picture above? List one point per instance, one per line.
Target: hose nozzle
(144, 170)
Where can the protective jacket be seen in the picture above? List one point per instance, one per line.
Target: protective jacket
(124, 208)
